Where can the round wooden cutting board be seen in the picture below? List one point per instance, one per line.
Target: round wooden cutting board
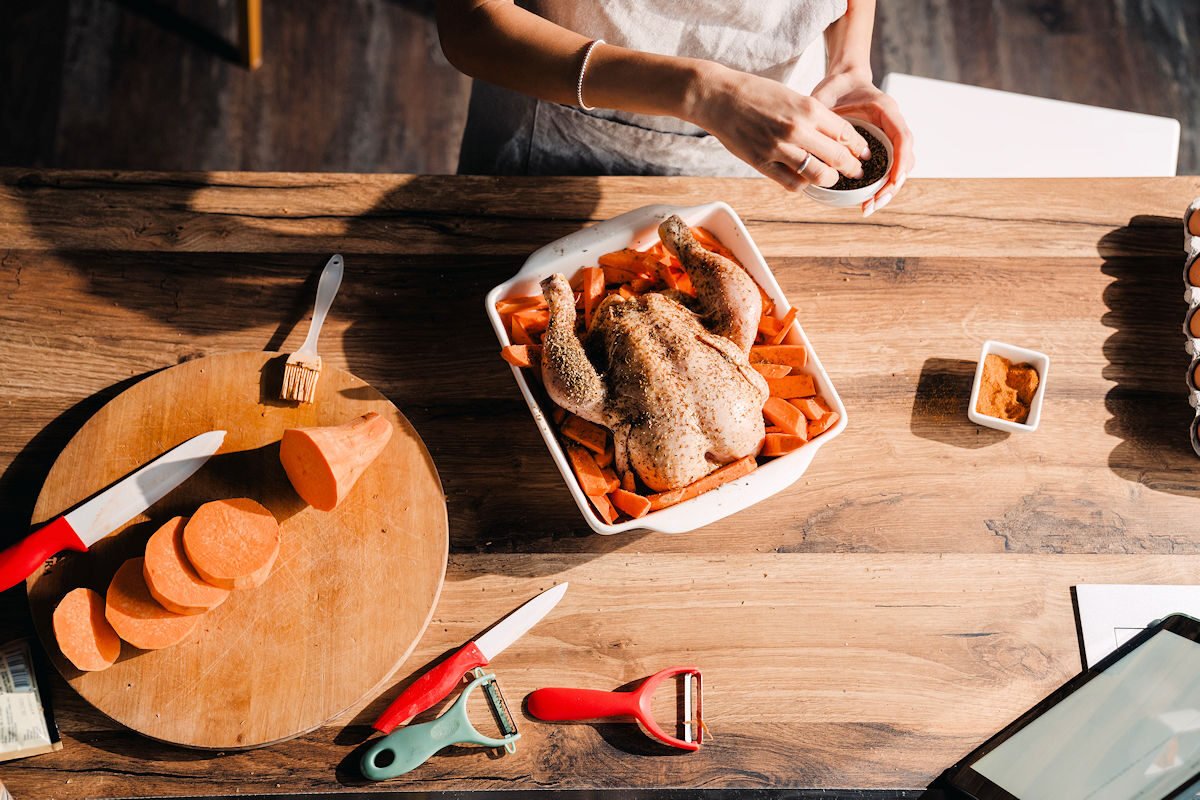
(352, 590)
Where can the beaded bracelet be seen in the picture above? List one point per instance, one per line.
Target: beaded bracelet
(587, 55)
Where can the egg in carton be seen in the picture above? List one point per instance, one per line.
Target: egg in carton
(1191, 322)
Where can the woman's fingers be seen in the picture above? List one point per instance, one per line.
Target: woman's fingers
(794, 169)
(842, 131)
(833, 140)
(810, 170)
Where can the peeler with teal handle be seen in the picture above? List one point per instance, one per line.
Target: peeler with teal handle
(409, 747)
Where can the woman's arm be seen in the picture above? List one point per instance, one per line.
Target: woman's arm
(759, 120)
(848, 40)
(501, 43)
(848, 89)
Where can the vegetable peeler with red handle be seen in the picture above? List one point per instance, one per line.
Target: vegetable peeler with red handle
(575, 705)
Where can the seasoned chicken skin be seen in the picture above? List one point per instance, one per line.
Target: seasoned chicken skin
(673, 384)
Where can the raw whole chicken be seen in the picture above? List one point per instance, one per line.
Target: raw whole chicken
(668, 374)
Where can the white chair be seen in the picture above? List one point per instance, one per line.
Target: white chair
(970, 132)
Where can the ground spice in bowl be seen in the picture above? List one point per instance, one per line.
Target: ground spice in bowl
(1006, 390)
(874, 167)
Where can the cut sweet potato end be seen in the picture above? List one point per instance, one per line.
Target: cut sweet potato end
(324, 463)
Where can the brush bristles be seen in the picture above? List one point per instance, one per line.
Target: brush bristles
(300, 381)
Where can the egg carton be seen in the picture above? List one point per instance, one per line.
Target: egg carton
(1191, 294)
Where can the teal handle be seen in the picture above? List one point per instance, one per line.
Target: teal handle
(404, 750)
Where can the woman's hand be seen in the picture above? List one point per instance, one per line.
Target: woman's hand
(853, 94)
(775, 129)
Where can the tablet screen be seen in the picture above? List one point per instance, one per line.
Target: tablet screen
(1132, 731)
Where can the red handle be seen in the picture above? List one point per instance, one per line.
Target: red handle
(431, 687)
(20, 560)
(573, 705)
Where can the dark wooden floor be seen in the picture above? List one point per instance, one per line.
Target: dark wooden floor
(361, 85)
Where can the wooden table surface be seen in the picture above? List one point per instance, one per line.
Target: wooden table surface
(865, 628)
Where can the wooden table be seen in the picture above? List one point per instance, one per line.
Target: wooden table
(865, 628)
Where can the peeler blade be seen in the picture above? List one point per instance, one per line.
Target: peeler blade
(687, 708)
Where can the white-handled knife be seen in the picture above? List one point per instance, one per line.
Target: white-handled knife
(438, 682)
(82, 527)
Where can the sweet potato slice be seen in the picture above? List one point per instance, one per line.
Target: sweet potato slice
(818, 426)
(809, 407)
(83, 634)
(730, 472)
(512, 305)
(631, 503)
(780, 444)
(232, 543)
(593, 292)
(785, 416)
(772, 370)
(784, 325)
(793, 355)
(591, 479)
(610, 475)
(604, 508)
(137, 617)
(324, 463)
(589, 434)
(170, 577)
(792, 386)
(521, 355)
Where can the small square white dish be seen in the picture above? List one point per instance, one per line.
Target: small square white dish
(639, 229)
(1017, 355)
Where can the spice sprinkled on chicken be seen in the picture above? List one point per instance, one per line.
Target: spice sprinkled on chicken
(672, 382)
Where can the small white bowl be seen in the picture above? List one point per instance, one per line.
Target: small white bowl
(854, 197)
(639, 229)
(1017, 355)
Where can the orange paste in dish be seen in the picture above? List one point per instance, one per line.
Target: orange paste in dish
(1006, 389)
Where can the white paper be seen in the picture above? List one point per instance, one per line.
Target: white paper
(23, 730)
(1111, 614)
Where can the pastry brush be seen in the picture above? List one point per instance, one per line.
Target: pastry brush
(303, 367)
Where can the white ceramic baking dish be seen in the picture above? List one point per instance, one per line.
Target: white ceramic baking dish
(639, 229)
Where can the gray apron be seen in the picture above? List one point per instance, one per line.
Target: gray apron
(509, 133)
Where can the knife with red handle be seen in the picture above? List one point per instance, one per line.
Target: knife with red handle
(82, 527)
(436, 684)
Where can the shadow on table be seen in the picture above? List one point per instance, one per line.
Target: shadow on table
(1146, 359)
(417, 328)
(941, 402)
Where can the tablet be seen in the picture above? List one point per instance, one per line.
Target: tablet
(1126, 729)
